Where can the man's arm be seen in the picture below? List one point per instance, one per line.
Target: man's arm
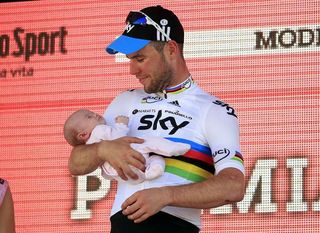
(118, 153)
(84, 159)
(226, 187)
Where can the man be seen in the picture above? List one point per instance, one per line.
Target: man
(171, 105)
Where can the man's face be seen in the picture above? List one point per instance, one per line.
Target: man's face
(151, 69)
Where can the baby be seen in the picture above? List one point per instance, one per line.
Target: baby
(86, 127)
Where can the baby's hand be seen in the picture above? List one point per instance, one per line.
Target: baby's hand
(122, 119)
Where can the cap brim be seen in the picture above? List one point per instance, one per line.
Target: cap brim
(126, 45)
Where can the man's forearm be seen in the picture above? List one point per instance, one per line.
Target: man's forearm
(84, 159)
(225, 188)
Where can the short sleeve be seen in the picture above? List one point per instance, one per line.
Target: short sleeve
(223, 134)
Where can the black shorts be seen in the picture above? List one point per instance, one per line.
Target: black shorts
(158, 223)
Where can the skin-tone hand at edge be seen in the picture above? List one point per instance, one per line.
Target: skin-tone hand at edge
(227, 187)
(86, 158)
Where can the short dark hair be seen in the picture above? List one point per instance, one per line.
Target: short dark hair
(159, 45)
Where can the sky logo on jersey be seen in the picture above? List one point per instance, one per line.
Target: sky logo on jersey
(229, 109)
(151, 121)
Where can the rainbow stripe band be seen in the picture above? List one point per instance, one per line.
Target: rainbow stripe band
(238, 157)
(180, 88)
(199, 156)
(196, 165)
(177, 91)
(186, 170)
(197, 151)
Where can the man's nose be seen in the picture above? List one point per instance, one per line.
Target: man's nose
(134, 69)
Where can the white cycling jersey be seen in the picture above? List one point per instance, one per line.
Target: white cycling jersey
(185, 114)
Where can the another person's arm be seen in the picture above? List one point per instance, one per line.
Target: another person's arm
(7, 221)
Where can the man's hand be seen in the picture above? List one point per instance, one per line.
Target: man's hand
(119, 154)
(145, 203)
(227, 187)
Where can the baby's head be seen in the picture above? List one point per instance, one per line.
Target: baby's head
(79, 125)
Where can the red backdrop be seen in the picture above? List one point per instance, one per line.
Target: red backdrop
(262, 57)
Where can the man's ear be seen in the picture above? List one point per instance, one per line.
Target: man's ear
(172, 47)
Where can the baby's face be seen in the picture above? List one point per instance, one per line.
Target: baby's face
(88, 120)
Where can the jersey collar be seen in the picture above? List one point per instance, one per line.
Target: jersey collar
(180, 87)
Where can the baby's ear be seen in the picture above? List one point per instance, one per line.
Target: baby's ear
(83, 136)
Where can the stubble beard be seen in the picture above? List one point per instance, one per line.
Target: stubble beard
(161, 80)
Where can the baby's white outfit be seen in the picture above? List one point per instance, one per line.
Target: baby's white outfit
(155, 164)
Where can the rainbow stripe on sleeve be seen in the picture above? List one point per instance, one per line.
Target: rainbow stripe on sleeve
(238, 157)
